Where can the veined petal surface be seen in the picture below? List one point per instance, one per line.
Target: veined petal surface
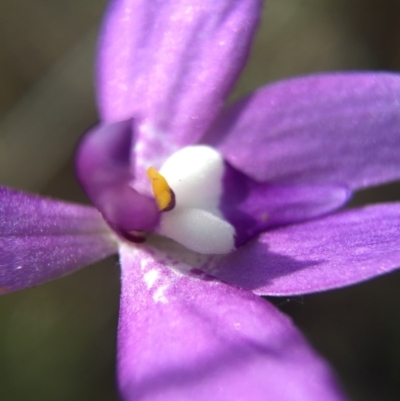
(184, 338)
(170, 64)
(331, 252)
(42, 239)
(336, 128)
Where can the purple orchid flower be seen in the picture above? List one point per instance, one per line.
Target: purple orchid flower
(210, 206)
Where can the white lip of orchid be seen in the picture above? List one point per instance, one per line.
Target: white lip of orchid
(195, 174)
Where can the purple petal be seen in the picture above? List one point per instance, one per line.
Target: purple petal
(253, 207)
(339, 128)
(184, 338)
(331, 252)
(42, 239)
(103, 168)
(170, 64)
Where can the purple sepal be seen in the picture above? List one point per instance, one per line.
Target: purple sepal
(103, 168)
(170, 64)
(253, 207)
(182, 338)
(42, 239)
(341, 128)
(331, 252)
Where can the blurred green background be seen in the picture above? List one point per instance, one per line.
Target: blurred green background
(57, 341)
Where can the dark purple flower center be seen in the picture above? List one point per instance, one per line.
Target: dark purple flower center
(217, 209)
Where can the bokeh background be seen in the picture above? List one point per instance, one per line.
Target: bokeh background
(57, 341)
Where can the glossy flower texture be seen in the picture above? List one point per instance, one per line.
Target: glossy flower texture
(209, 205)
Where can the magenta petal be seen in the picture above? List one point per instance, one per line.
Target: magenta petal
(331, 252)
(42, 239)
(253, 207)
(103, 168)
(339, 128)
(183, 338)
(170, 64)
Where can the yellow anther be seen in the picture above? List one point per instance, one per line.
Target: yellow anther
(163, 194)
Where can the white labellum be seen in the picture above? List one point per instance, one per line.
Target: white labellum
(195, 175)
